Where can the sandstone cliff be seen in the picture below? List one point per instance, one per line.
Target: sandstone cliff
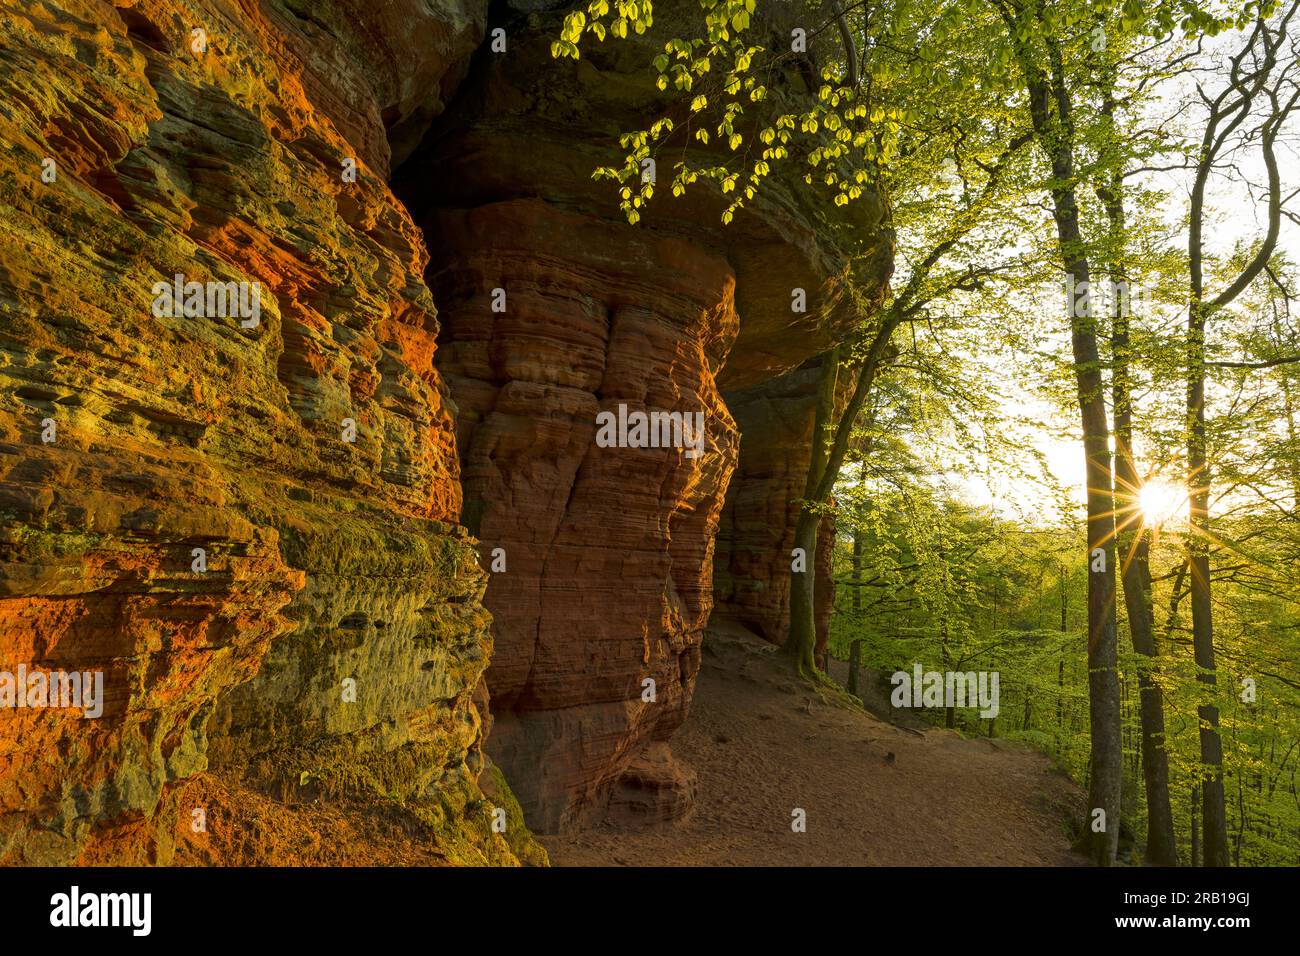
(273, 537)
(221, 156)
(751, 582)
(554, 310)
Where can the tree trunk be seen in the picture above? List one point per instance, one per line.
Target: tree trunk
(830, 445)
(1294, 458)
(1060, 694)
(1161, 847)
(1106, 759)
(1214, 817)
(802, 638)
(1196, 832)
(1065, 602)
(801, 641)
(1052, 112)
(857, 571)
(1252, 83)
(1134, 547)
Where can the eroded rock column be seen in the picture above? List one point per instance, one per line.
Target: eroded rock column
(752, 563)
(606, 554)
(602, 580)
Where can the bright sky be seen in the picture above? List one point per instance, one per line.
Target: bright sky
(1237, 217)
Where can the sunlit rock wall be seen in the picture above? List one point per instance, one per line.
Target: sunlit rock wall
(331, 646)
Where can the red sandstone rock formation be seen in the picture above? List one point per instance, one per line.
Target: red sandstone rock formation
(752, 559)
(336, 567)
(326, 560)
(608, 552)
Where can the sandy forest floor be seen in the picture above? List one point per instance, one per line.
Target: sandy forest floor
(763, 743)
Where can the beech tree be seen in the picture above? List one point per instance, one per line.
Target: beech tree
(1249, 111)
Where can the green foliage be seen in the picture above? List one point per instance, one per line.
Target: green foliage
(896, 119)
(956, 588)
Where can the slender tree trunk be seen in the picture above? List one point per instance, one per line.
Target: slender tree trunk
(1052, 111)
(1252, 84)
(1103, 682)
(1241, 823)
(801, 641)
(830, 446)
(857, 571)
(1161, 847)
(1213, 810)
(1065, 601)
(1133, 546)
(1292, 444)
(1060, 693)
(1196, 830)
(803, 578)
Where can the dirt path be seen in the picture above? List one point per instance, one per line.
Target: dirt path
(763, 743)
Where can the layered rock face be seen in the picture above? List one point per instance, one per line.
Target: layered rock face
(751, 582)
(602, 577)
(553, 310)
(248, 522)
(259, 513)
